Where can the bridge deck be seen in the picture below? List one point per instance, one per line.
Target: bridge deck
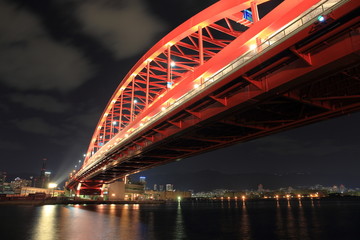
(308, 71)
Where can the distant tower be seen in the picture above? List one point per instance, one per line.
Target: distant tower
(155, 187)
(41, 180)
(260, 188)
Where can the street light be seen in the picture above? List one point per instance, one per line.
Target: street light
(52, 186)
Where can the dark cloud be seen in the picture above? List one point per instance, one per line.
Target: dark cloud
(38, 126)
(86, 119)
(10, 145)
(126, 29)
(42, 102)
(31, 60)
(4, 107)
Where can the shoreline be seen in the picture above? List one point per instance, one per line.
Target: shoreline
(39, 202)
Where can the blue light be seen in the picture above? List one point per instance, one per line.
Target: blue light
(321, 18)
(247, 15)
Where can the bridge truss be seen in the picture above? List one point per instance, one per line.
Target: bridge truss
(227, 76)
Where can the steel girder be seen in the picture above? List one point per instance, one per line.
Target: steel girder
(275, 78)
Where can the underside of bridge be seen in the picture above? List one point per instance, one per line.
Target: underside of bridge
(314, 75)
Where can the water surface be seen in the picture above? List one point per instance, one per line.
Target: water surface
(192, 220)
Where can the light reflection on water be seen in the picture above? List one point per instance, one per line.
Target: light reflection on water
(179, 226)
(45, 226)
(245, 223)
(283, 219)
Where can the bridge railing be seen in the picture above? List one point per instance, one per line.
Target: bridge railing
(298, 24)
(303, 21)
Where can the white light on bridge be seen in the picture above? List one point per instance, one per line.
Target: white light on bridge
(252, 46)
(321, 18)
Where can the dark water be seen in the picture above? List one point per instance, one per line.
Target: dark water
(218, 220)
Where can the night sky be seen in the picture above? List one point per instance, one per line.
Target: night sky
(61, 60)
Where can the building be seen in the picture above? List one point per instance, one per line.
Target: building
(5, 187)
(116, 191)
(2, 181)
(166, 195)
(119, 191)
(25, 191)
(2, 177)
(19, 183)
(40, 182)
(169, 187)
(142, 180)
(47, 177)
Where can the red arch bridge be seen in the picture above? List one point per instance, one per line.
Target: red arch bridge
(225, 76)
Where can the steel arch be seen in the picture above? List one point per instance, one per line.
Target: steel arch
(182, 57)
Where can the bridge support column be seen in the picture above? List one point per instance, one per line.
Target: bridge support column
(77, 193)
(102, 190)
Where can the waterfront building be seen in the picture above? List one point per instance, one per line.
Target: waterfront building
(167, 195)
(18, 183)
(120, 190)
(25, 191)
(116, 191)
(6, 189)
(169, 187)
